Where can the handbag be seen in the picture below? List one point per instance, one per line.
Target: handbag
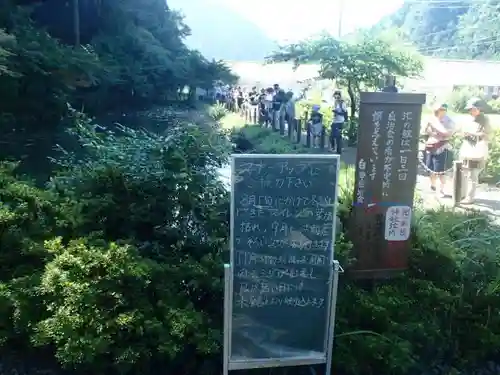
(433, 144)
(474, 148)
(474, 151)
(436, 138)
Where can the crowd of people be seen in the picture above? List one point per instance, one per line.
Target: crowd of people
(275, 99)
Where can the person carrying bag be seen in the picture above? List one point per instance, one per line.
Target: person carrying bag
(474, 149)
(439, 129)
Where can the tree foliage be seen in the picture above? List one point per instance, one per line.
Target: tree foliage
(431, 26)
(135, 56)
(465, 29)
(42, 73)
(478, 30)
(357, 64)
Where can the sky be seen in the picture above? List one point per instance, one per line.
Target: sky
(302, 18)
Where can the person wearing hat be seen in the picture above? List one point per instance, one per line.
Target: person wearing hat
(474, 148)
(440, 129)
(316, 124)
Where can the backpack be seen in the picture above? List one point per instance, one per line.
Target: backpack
(344, 113)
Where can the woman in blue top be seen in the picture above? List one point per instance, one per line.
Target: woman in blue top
(440, 129)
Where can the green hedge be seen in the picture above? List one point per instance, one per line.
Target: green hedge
(116, 266)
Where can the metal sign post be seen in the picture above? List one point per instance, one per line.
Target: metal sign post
(227, 317)
(337, 269)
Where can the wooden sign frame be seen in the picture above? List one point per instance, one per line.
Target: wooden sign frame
(389, 126)
(325, 357)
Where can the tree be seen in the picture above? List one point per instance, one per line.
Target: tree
(357, 64)
(6, 42)
(131, 56)
(42, 73)
(205, 72)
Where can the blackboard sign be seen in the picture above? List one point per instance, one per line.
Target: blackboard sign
(386, 174)
(282, 233)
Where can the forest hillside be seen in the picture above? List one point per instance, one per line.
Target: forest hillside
(465, 29)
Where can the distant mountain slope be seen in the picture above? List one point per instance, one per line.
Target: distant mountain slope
(464, 29)
(433, 26)
(221, 33)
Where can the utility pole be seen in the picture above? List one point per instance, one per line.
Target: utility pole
(341, 16)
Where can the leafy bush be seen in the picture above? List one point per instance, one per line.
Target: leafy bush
(217, 112)
(491, 173)
(134, 279)
(162, 196)
(494, 106)
(425, 317)
(107, 304)
(458, 99)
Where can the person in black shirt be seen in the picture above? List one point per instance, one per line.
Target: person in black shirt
(289, 107)
(278, 100)
(240, 98)
(263, 112)
(274, 101)
(253, 96)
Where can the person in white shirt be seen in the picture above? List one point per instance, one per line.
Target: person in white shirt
(339, 118)
(475, 146)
